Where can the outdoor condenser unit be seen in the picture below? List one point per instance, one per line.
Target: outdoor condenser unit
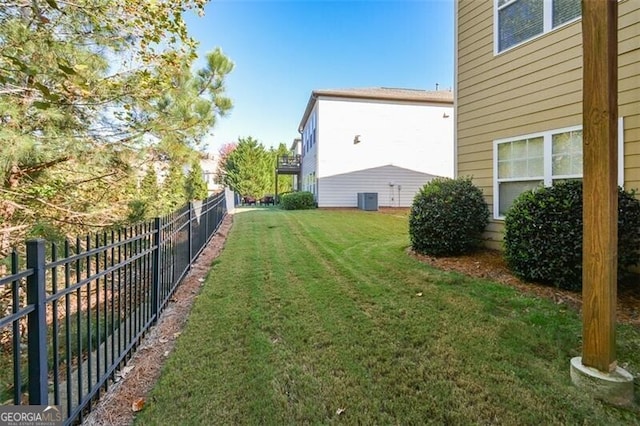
(368, 201)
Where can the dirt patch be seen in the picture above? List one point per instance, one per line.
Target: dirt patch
(491, 265)
(137, 379)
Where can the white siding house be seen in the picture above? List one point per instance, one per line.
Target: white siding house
(388, 141)
(209, 164)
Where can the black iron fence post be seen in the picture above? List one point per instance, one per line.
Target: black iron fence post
(37, 324)
(190, 233)
(205, 216)
(155, 281)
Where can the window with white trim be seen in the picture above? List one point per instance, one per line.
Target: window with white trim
(516, 21)
(527, 162)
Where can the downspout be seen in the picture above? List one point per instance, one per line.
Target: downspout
(299, 183)
(456, 6)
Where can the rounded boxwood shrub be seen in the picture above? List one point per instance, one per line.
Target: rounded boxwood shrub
(543, 235)
(297, 201)
(448, 217)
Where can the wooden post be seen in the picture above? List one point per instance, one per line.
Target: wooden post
(600, 216)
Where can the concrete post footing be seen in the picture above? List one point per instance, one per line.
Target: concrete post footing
(615, 388)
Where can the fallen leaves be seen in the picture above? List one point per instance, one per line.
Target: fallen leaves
(137, 405)
(123, 373)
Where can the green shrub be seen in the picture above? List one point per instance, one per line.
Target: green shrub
(297, 201)
(543, 235)
(137, 211)
(447, 217)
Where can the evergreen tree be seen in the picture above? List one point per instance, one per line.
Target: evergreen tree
(223, 154)
(249, 169)
(149, 184)
(196, 186)
(85, 88)
(146, 205)
(174, 189)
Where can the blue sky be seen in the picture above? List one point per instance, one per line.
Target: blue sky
(283, 50)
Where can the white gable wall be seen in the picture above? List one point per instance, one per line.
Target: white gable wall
(395, 186)
(413, 136)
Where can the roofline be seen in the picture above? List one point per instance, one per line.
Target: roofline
(307, 111)
(340, 94)
(295, 142)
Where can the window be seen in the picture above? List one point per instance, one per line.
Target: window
(527, 162)
(517, 21)
(309, 183)
(564, 11)
(308, 135)
(520, 166)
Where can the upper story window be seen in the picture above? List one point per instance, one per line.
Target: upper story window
(304, 143)
(309, 134)
(517, 21)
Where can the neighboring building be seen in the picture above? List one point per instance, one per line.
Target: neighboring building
(296, 147)
(209, 163)
(519, 97)
(380, 140)
(296, 151)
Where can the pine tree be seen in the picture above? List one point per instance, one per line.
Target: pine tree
(174, 188)
(196, 186)
(149, 184)
(85, 89)
(249, 169)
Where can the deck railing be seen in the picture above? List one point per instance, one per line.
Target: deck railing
(287, 162)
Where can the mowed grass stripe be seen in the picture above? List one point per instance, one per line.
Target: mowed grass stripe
(341, 323)
(308, 312)
(343, 320)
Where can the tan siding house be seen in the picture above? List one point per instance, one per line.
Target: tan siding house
(519, 98)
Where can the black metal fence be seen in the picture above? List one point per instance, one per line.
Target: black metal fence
(74, 313)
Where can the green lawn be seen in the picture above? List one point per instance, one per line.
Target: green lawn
(322, 317)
